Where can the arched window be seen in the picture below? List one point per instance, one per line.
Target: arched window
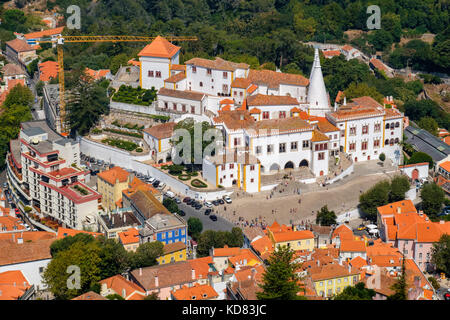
(397, 124)
(387, 141)
(392, 125)
(396, 140)
(392, 142)
(387, 125)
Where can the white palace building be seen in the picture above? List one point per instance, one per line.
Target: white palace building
(270, 120)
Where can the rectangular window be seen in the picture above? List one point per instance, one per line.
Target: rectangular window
(377, 127)
(225, 88)
(258, 150)
(352, 146)
(225, 75)
(266, 115)
(364, 145)
(194, 69)
(150, 73)
(321, 156)
(282, 114)
(158, 74)
(231, 165)
(305, 144)
(353, 131)
(269, 148)
(240, 93)
(192, 109)
(294, 146)
(252, 180)
(252, 167)
(174, 106)
(208, 71)
(282, 147)
(365, 129)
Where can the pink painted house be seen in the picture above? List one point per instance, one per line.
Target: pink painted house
(410, 231)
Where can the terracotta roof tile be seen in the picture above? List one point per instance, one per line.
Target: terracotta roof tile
(273, 79)
(159, 47)
(270, 100)
(292, 235)
(14, 253)
(19, 45)
(44, 33)
(325, 126)
(352, 246)
(12, 69)
(358, 262)
(331, 271)
(242, 83)
(161, 131)
(331, 53)
(318, 136)
(48, 70)
(196, 292)
(9, 223)
(13, 285)
(90, 295)
(174, 247)
(123, 287)
(255, 111)
(182, 94)
(252, 88)
(226, 101)
(176, 77)
(405, 206)
(129, 236)
(378, 64)
(113, 175)
(178, 67)
(245, 257)
(65, 232)
(217, 64)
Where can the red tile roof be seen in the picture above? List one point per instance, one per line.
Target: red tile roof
(161, 131)
(9, 223)
(331, 53)
(196, 292)
(19, 45)
(129, 236)
(270, 100)
(352, 246)
(217, 64)
(65, 232)
(273, 79)
(114, 175)
(13, 285)
(160, 48)
(378, 64)
(44, 33)
(48, 70)
(124, 287)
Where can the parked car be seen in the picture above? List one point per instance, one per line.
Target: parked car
(5, 185)
(170, 194)
(182, 213)
(151, 180)
(227, 199)
(198, 206)
(221, 201)
(185, 200)
(207, 212)
(216, 202)
(361, 227)
(161, 185)
(189, 201)
(213, 217)
(177, 200)
(17, 211)
(155, 184)
(208, 204)
(92, 160)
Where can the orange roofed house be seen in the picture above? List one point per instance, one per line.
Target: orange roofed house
(48, 70)
(196, 292)
(410, 231)
(110, 184)
(14, 286)
(20, 51)
(117, 284)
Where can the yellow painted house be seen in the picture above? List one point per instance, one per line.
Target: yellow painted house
(173, 252)
(285, 236)
(331, 279)
(110, 184)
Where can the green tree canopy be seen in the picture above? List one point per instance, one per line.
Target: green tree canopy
(171, 205)
(356, 292)
(218, 239)
(440, 254)
(195, 227)
(419, 157)
(84, 255)
(86, 103)
(429, 124)
(399, 186)
(146, 254)
(432, 199)
(326, 217)
(19, 95)
(280, 281)
(375, 197)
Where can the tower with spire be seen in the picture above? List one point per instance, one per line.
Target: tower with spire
(318, 102)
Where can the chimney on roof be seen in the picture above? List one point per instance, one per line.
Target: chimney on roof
(441, 222)
(318, 263)
(349, 268)
(193, 274)
(399, 210)
(14, 237)
(140, 271)
(19, 240)
(253, 274)
(156, 282)
(345, 100)
(417, 282)
(241, 117)
(124, 293)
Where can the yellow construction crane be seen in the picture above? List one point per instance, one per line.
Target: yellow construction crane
(60, 41)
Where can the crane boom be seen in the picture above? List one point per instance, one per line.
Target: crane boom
(79, 39)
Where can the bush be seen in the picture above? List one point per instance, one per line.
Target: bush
(121, 144)
(198, 183)
(139, 150)
(126, 133)
(175, 169)
(192, 174)
(96, 131)
(434, 282)
(28, 209)
(184, 177)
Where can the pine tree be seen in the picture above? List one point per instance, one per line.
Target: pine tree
(280, 281)
(400, 287)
